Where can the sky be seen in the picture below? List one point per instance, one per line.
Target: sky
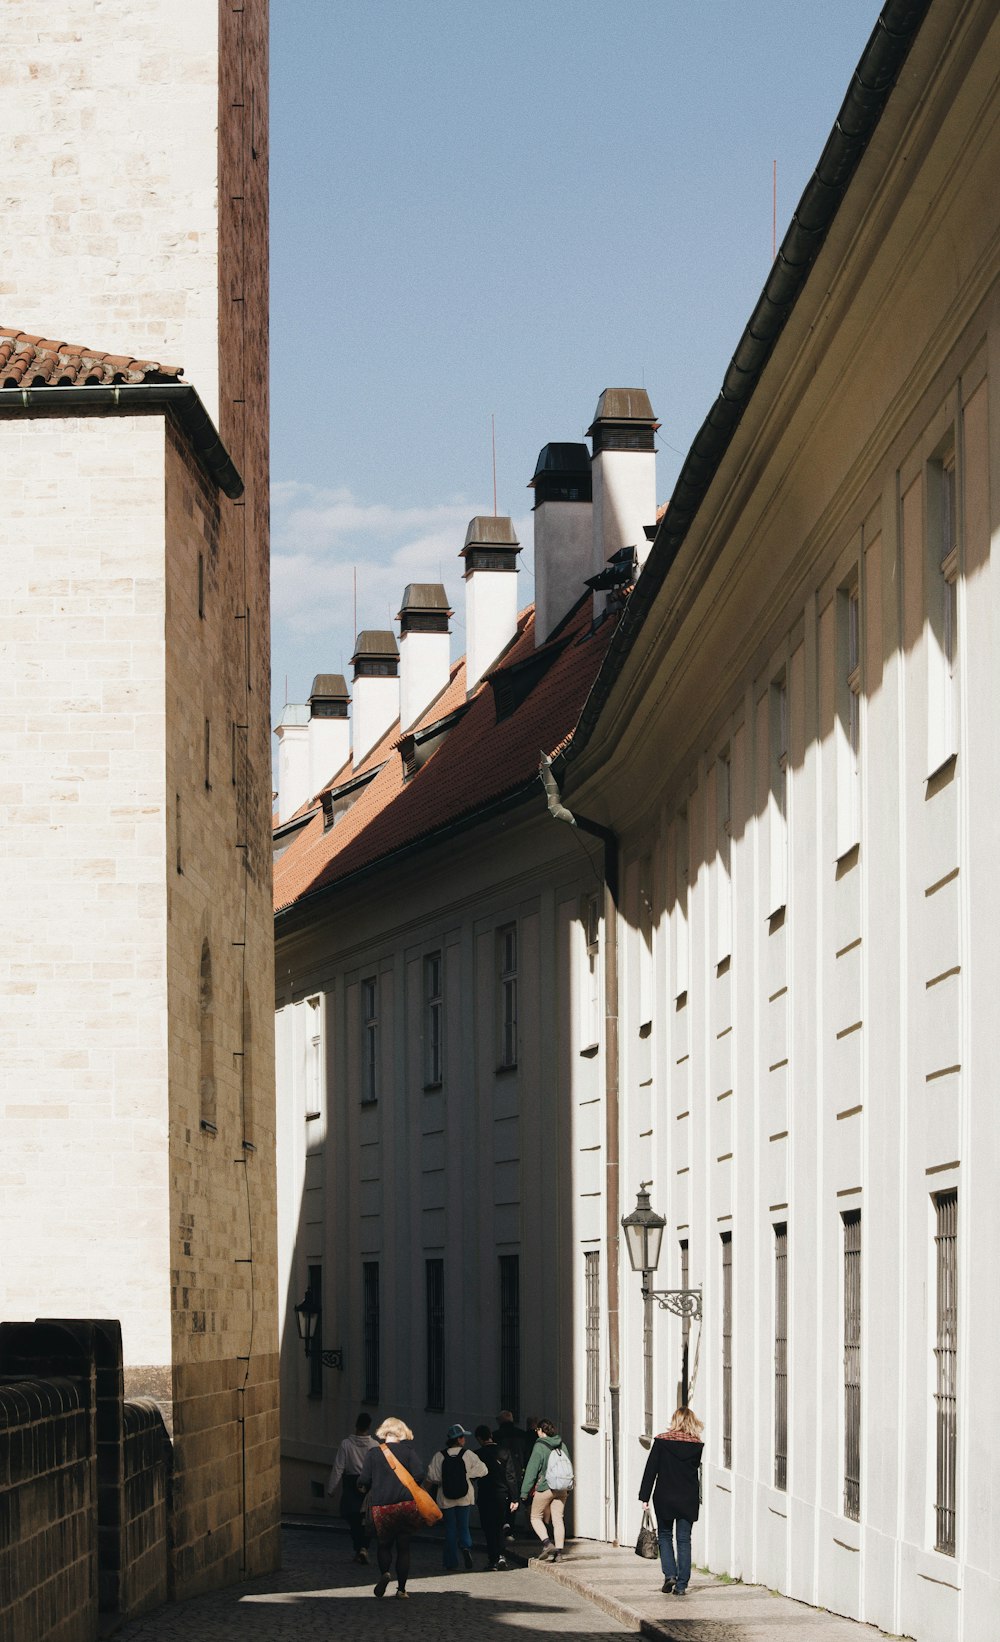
(495, 209)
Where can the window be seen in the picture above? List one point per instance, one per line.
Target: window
(314, 1090)
(848, 716)
(316, 1345)
(206, 1014)
(592, 1313)
(510, 1332)
(507, 996)
(434, 1301)
(781, 1356)
(946, 1360)
(370, 1331)
(433, 1021)
(369, 1039)
(723, 855)
(942, 610)
(778, 796)
(852, 1364)
(727, 1349)
(590, 992)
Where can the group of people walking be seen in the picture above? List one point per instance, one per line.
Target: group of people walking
(382, 1490)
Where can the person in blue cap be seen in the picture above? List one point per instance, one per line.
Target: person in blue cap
(451, 1472)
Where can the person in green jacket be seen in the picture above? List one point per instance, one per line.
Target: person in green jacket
(548, 1504)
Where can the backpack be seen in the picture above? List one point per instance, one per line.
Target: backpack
(454, 1476)
(559, 1470)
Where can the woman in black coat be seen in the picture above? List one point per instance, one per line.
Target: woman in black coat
(671, 1479)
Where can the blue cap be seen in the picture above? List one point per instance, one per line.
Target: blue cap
(456, 1431)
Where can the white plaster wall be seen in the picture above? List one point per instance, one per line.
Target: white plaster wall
(83, 1070)
(564, 546)
(490, 619)
(424, 670)
(624, 502)
(108, 120)
(375, 706)
(329, 750)
(294, 774)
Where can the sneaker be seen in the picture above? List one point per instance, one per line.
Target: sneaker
(667, 1587)
(381, 1586)
(547, 1551)
(402, 1592)
(362, 1556)
(500, 1564)
(557, 1556)
(467, 1557)
(680, 1590)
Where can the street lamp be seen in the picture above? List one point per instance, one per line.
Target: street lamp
(307, 1315)
(643, 1230)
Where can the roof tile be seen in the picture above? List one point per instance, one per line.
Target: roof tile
(36, 362)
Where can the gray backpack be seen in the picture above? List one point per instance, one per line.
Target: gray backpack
(559, 1470)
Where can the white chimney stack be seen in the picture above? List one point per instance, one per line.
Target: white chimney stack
(292, 732)
(490, 555)
(564, 532)
(376, 690)
(329, 729)
(424, 649)
(624, 473)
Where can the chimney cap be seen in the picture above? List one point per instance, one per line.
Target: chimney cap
(329, 687)
(624, 405)
(488, 530)
(426, 596)
(376, 642)
(293, 713)
(561, 458)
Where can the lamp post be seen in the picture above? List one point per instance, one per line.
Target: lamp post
(643, 1230)
(307, 1315)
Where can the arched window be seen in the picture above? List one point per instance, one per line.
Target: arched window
(207, 1023)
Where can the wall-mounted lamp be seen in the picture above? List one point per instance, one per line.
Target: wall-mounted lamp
(307, 1316)
(643, 1230)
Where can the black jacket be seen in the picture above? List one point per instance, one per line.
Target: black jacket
(671, 1478)
(518, 1444)
(501, 1481)
(378, 1475)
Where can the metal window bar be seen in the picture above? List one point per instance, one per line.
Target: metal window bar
(852, 1364)
(592, 1296)
(372, 1343)
(434, 1294)
(433, 1012)
(510, 1332)
(507, 956)
(727, 1349)
(369, 1010)
(946, 1356)
(781, 1356)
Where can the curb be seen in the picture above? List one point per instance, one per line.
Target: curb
(615, 1609)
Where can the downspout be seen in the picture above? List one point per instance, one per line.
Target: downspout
(612, 1207)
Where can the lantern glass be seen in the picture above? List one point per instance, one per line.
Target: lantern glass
(643, 1234)
(307, 1316)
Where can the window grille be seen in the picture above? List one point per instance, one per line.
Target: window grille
(946, 1357)
(433, 1020)
(507, 1000)
(781, 1356)
(434, 1295)
(852, 1364)
(316, 1346)
(369, 1038)
(370, 1330)
(727, 1349)
(592, 1300)
(510, 1332)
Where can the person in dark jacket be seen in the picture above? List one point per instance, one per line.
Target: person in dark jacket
(671, 1480)
(496, 1490)
(394, 1515)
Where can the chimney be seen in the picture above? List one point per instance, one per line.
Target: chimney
(490, 555)
(564, 532)
(424, 649)
(293, 760)
(376, 690)
(329, 729)
(624, 473)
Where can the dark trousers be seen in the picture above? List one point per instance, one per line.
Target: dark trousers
(492, 1512)
(676, 1568)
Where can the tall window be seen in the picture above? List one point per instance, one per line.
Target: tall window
(434, 1300)
(592, 1313)
(316, 1347)
(314, 1058)
(433, 1021)
(371, 1330)
(778, 799)
(510, 1332)
(727, 1349)
(507, 996)
(723, 855)
(946, 1359)
(781, 1356)
(369, 1038)
(852, 1364)
(206, 1015)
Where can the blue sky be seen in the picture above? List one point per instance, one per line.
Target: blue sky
(502, 208)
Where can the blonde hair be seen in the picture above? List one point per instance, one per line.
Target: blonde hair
(393, 1430)
(686, 1420)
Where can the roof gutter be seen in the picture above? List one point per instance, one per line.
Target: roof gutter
(862, 108)
(177, 398)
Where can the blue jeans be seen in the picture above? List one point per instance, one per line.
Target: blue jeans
(679, 1571)
(456, 1533)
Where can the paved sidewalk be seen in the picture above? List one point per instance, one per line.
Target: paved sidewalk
(628, 1588)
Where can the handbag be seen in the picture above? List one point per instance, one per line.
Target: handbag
(647, 1544)
(429, 1509)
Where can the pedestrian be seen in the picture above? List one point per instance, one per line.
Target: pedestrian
(548, 1506)
(452, 1469)
(346, 1470)
(394, 1514)
(496, 1490)
(671, 1478)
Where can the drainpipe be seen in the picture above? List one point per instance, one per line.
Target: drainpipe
(612, 1207)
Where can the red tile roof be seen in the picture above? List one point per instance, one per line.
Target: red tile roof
(481, 760)
(33, 362)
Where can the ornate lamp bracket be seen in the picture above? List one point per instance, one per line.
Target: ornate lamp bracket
(682, 1302)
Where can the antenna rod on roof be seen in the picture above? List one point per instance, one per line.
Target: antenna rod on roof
(493, 429)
